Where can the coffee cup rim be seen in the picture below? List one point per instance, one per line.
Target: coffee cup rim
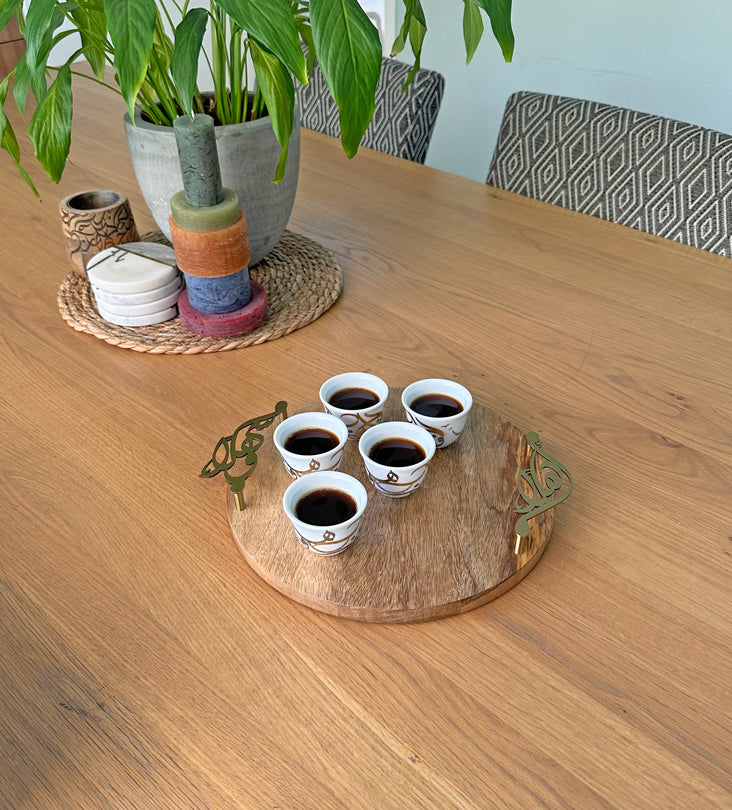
(449, 387)
(396, 429)
(339, 429)
(320, 480)
(352, 379)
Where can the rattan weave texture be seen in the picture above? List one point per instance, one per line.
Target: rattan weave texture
(302, 280)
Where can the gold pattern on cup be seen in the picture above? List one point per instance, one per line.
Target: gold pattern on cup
(437, 434)
(357, 423)
(392, 480)
(315, 465)
(321, 546)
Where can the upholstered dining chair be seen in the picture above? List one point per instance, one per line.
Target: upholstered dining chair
(402, 123)
(655, 174)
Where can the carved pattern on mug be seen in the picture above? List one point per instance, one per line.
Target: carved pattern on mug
(94, 220)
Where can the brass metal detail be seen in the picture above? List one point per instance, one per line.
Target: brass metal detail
(243, 443)
(539, 487)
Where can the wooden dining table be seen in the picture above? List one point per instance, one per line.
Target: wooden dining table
(144, 664)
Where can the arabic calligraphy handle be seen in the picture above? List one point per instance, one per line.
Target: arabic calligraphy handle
(549, 483)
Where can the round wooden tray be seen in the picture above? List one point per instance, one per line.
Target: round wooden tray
(446, 549)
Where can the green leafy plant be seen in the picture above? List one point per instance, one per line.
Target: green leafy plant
(154, 50)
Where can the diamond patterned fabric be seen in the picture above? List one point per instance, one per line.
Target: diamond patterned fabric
(402, 123)
(644, 171)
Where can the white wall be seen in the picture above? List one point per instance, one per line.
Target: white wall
(669, 57)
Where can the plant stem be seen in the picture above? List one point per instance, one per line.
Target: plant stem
(245, 81)
(93, 78)
(150, 108)
(159, 80)
(218, 49)
(167, 14)
(235, 73)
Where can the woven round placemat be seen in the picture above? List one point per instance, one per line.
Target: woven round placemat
(302, 280)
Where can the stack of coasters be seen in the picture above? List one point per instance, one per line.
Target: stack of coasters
(209, 233)
(136, 284)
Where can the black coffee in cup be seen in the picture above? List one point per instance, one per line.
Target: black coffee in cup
(437, 406)
(353, 399)
(311, 441)
(325, 507)
(397, 452)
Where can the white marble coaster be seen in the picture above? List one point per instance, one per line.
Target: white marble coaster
(148, 308)
(139, 320)
(128, 299)
(135, 267)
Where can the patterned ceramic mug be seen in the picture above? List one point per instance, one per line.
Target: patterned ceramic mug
(392, 475)
(94, 220)
(300, 438)
(356, 398)
(324, 537)
(440, 406)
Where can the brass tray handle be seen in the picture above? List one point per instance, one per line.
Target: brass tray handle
(229, 449)
(541, 486)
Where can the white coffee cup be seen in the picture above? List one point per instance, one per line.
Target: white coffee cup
(396, 481)
(357, 420)
(331, 538)
(298, 464)
(446, 429)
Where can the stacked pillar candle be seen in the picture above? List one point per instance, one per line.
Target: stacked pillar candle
(209, 232)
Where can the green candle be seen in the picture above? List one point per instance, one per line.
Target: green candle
(199, 159)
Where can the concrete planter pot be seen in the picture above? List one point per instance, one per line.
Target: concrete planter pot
(248, 155)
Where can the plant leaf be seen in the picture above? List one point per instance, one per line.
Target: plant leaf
(272, 24)
(7, 137)
(306, 32)
(22, 83)
(301, 11)
(401, 37)
(9, 143)
(50, 127)
(184, 63)
(472, 29)
(7, 9)
(29, 75)
(348, 50)
(417, 31)
(275, 84)
(92, 26)
(499, 12)
(38, 21)
(3, 119)
(131, 25)
(162, 44)
(412, 9)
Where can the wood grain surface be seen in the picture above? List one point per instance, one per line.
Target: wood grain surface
(12, 47)
(445, 549)
(144, 665)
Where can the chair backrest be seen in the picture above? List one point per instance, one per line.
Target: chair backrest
(651, 173)
(403, 122)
